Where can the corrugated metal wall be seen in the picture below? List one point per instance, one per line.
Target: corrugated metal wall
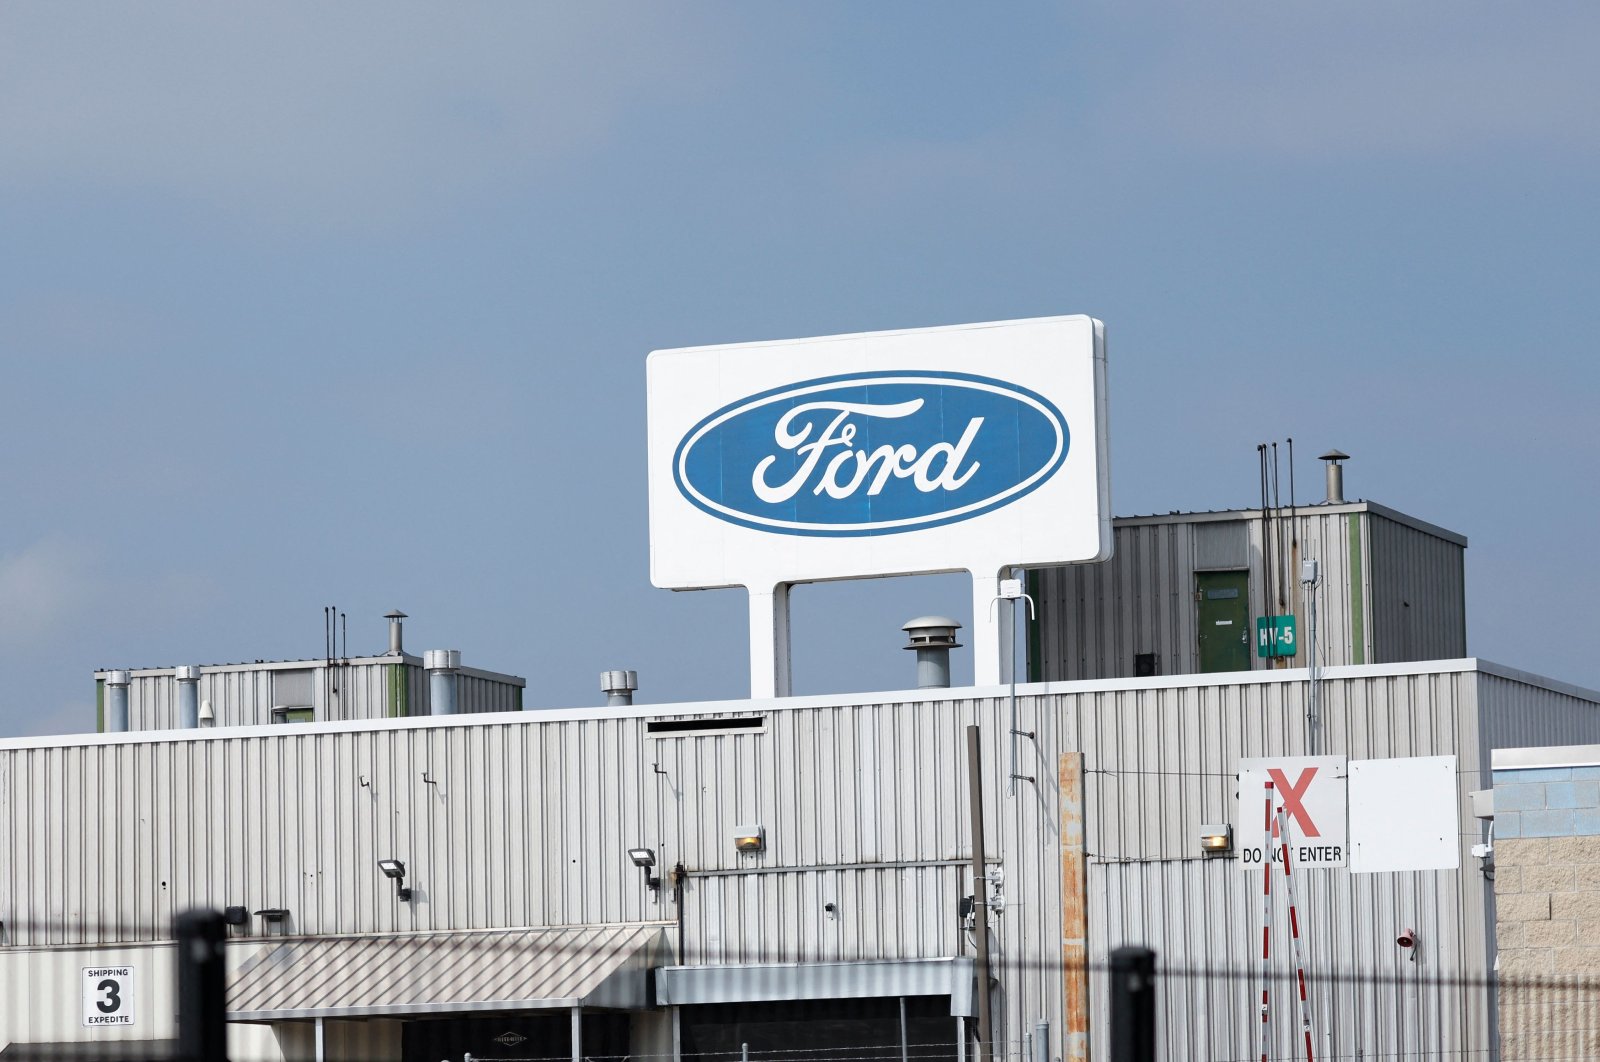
(1419, 607)
(245, 695)
(1095, 618)
(526, 820)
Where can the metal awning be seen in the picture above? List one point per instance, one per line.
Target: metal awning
(92, 1051)
(759, 982)
(447, 973)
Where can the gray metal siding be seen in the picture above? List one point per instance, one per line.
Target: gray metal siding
(245, 695)
(1094, 618)
(1418, 596)
(525, 821)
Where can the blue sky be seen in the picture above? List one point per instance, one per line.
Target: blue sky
(304, 305)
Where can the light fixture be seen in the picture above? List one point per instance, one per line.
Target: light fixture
(750, 839)
(1216, 839)
(644, 859)
(395, 870)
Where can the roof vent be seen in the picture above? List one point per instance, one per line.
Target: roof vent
(932, 637)
(1335, 476)
(618, 686)
(395, 632)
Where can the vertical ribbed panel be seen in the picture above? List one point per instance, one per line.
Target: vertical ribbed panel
(525, 821)
(1402, 599)
(1418, 597)
(244, 695)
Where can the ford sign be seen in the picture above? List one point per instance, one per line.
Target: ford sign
(875, 453)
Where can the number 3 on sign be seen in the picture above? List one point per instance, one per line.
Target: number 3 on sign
(107, 995)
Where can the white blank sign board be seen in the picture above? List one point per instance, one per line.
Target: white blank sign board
(1404, 815)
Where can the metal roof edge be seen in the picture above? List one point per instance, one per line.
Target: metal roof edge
(1417, 525)
(1547, 756)
(1528, 678)
(752, 707)
(269, 941)
(301, 665)
(1312, 509)
(262, 665)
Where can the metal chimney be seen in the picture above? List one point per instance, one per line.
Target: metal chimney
(117, 702)
(442, 666)
(1335, 475)
(395, 631)
(618, 686)
(188, 696)
(932, 637)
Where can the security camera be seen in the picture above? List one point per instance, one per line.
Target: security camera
(1408, 939)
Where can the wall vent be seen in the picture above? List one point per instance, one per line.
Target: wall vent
(669, 728)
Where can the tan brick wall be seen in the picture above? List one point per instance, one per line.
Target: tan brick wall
(1547, 901)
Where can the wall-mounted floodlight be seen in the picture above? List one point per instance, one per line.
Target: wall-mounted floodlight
(395, 870)
(644, 859)
(750, 839)
(1216, 839)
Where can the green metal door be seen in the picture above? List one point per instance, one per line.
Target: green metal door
(1224, 620)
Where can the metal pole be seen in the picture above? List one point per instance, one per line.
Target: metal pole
(905, 1038)
(980, 905)
(1311, 662)
(577, 1034)
(322, 1042)
(1041, 1042)
(961, 1038)
(1263, 1033)
(1133, 1005)
(202, 987)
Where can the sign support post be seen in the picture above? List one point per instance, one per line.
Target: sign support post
(770, 675)
(992, 631)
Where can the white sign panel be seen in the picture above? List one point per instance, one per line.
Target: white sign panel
(974, 447)
(107, 995)
(1405, 814)
(1311, 791)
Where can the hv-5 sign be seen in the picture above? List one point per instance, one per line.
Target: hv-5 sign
(1311, 791)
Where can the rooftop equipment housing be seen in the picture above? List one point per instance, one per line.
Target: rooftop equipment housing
(1182, 593)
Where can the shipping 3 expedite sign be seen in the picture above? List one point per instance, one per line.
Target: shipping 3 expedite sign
(974, 447)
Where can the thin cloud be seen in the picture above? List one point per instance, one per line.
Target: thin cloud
(42, 588)
(1332, 82)
(348, 113)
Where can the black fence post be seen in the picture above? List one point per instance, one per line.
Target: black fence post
(202, 987)
(1133, 1005)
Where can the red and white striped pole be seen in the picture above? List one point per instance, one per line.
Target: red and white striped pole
(1266, 919)
(1294, 933)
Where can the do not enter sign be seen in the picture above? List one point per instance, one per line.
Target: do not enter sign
(1311, 792)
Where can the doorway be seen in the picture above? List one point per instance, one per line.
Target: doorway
(1224, 608)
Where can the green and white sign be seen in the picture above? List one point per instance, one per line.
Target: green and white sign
(1275, 636)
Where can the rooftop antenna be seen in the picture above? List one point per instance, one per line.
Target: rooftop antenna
(1294, 527)
(1266, 533)
(1277, 530)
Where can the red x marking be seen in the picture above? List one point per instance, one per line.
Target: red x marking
(1291, 799)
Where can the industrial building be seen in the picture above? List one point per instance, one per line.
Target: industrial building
(1180, 591)
(526, 912)
(684, 880)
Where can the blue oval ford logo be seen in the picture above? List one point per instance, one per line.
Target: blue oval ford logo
(871, 453)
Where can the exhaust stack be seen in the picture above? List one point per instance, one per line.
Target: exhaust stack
(443, 667)
(117, 702)
(1335, 476)
(396, 631)
(932, 637)
(188, 696)
(618, 686)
